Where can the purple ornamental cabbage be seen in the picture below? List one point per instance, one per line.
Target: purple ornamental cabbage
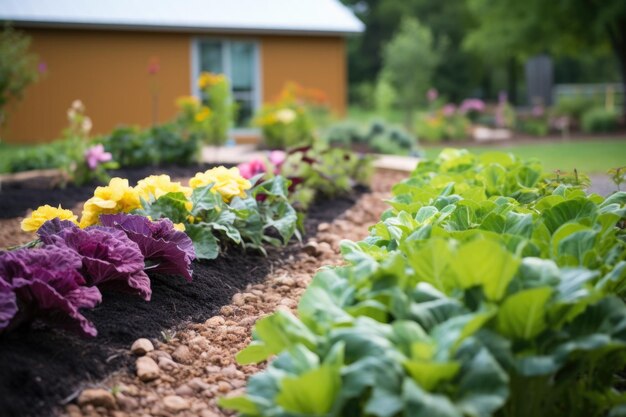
(8, 304)
(167, 249)
(109, 258)
(45, 283)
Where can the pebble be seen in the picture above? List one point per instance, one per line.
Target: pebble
(238, 299)
(311, 248)
(198, 384)
(141, 346)
(73, 411)
(97, 397)
(167, 364)
(184, 390)
(126, 403)
(174, 403)
(322, 227)
(147, 369)
(183, 355)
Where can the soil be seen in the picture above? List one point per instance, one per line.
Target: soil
(44, 368)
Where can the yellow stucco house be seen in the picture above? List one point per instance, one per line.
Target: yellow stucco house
(115, 54)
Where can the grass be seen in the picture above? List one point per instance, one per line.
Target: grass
(588, 156)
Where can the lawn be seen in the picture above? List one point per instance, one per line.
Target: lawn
(588, 156)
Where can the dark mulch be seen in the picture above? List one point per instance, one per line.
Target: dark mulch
(42, 368)
(16, 201)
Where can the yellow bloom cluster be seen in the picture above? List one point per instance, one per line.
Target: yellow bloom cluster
(208, 79)
(203, 114)
(156, 186)
(186, 102)
(120, 197)
(227, 182)
(45, 213)
(117, 197)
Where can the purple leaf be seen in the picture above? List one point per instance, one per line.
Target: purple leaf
(109, 258)
(8, 304)
(169, 250)
(47, 284)
(54, 227)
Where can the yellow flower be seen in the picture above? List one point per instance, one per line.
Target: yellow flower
(286, 116)
(179, 226)
(203, 114)
(158, 185)
(208, 79)
(187, 102)
(45, 213)
(228, 182)
(117, 197)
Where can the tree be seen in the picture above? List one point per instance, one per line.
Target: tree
(409, 62)
(567, 27)
(17, 66)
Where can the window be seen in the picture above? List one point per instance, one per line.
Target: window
(238, 60)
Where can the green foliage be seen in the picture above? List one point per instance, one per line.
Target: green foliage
(288, 122)
(263, 216)
(162, 144)
(218, 99)
(573, 107)
(599, 120)
(534, 126)
(437, 127)
(17, 66)
(410, 59)
(320, 171)
(379, 138)
(27, 158)
(488, 289)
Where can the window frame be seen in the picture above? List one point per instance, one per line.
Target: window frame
(226, 59)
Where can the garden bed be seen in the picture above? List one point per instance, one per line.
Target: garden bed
(43, 368)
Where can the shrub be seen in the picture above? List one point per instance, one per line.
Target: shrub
(439, 126)
(17, 66)
(599, 120)
(217, 98)
(163, 144)
(573, 107)
(287, 122)
(380, 138)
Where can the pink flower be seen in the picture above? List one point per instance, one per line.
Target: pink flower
(448, 110)
(277, 158)
(432, 94)
(252, 168)
(42, 67)
(538, 111)
(154, 66)
(95, 155)
(472, 104)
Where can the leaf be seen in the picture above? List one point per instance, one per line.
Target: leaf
(482, 384)
(204, 200)
(204, 242)
(277, 332)
(171, 205)
(522, 315)
(430, 374)
(485, 263)
(419, 403)
(578, 210)
(431, 261)
(240, 404)
(311, 393)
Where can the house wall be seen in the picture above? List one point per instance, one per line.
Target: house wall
(107, 70)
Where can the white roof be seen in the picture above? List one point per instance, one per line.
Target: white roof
(258, 16)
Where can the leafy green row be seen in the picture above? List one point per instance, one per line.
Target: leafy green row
(489, 289)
